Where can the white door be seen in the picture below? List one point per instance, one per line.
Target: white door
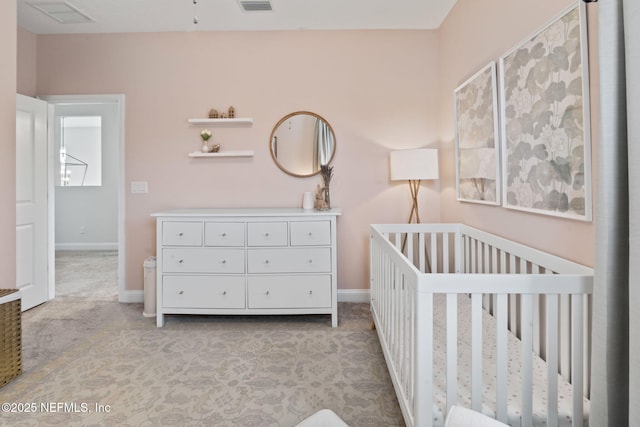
(31, 200)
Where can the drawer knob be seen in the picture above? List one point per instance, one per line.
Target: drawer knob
(266, 234)
(224, 261)
(224, 292)
(180, 261)
(180, 234)
(310, 292)
(224, 234)
(181, 292)
(267, 293)
(266, 261)
(310, 261)
(310, 234)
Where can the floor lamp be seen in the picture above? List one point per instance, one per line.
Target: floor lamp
(414, 166)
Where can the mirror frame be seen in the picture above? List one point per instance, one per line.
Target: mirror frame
(284, 119)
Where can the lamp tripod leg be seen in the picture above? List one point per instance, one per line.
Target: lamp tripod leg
(414, 187)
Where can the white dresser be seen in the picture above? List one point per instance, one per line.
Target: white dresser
(246, 261)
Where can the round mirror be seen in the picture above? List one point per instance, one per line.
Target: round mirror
(301, 142)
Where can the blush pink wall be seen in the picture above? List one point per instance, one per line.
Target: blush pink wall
(474, 34)
(380, 90)
(376, 88)
(8, 144)
(26, 67)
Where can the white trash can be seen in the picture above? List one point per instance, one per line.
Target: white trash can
(149, 287)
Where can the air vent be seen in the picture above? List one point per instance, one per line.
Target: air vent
(62, 12)
(255, 6)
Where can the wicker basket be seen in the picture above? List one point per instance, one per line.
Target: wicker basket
(10, 335)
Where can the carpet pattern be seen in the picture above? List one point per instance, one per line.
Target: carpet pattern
(197, 370)
(87, 274)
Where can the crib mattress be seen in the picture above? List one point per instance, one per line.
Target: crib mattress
(489, 370)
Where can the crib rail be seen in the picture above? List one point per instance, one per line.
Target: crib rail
(541, 298)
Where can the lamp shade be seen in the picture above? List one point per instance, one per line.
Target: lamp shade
(415, 164)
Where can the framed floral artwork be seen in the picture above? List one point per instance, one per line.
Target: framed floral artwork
(477, 148)
(545, 120)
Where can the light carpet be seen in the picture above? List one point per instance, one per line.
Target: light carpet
(99, 362)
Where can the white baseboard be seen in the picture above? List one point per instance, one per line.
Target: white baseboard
(344, 295)
(132, 297)
(354, 295)
(86, 246)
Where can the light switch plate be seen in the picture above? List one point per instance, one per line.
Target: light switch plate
(139, 187)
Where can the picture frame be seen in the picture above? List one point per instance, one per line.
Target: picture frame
(545, 126)
(477, 138)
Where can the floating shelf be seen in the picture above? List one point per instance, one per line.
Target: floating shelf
(241, 121)
(230, 153)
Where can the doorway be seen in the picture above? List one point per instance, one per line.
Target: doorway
(86, 177)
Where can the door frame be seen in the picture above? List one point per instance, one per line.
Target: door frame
(119, 100)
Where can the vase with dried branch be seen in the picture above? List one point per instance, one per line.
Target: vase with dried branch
(326, 172)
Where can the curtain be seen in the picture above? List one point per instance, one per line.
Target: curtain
(323, 144)
(615, 392)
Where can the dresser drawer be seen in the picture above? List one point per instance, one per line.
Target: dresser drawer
(310, 233)
(202, 260)
(289, 291)
(224, 234)
(203, 291)
(299, 260)
(267, 234)
(182, 233)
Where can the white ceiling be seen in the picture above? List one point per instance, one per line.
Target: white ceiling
(116, 16)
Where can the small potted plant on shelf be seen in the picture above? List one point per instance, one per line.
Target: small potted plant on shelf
(205, 135)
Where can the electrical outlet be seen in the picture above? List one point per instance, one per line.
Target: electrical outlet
(139, 187)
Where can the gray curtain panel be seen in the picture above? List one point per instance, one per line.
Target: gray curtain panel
(632, 42)
(615, 393)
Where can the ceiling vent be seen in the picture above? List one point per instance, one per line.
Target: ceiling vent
(255, 6)
(62, 12)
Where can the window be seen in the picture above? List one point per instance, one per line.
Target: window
(80, 151)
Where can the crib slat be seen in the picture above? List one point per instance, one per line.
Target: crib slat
(421, 253)
(476, 352)
(458, 254)
(434, 253)
(526, 307)
(565, 336)
(552, 360)
(502, 352)
(576, 359)
(474, 256)
(445, 253)
(393, 333)
(423, 407)
(535, 269)
(586, 354)
(409, 245)
(467, 254)
(513, 317)
(487, 258)
(494, 269)
(401, 329)
(452, 350)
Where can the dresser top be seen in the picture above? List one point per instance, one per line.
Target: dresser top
(246, 212)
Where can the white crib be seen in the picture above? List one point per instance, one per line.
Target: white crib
(465, 317)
